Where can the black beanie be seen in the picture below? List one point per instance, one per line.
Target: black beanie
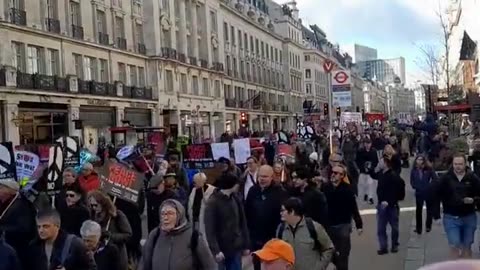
(226, 181)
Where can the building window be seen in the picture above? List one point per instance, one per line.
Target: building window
(52, 11)
(251, 44)
(90, 68)
(308, 88)
(78, 62)
(103, 70)
(183, 83)
(52, 62)
(232, 35)
(217, 89)
(122, 72)
(308, 73)
(139, 33)
(18, 49)
(213, 20)
(34, 60)
(141, 77)
(240, 43)
(119, 27)
(132, 71)
(101, 22)
(206, 89)
(137, 7)
(195, 85)
(225, 31)
(168, 81)
(75, 17)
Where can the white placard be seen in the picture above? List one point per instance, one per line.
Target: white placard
(220, 150)
(241, 148)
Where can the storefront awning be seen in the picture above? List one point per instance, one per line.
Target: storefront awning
(453, 108)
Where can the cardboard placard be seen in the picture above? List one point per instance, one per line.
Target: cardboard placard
(8, 166)
(27, 164)
(55, 169)
(71, 151)
(198, 156)
(118, 180)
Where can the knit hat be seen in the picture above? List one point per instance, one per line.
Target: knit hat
(226, 181)
(11, 184)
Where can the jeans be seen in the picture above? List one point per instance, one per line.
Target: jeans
(420, 200)
(232, 262)
(460, 230)
(388, 215)
(366, 186)
(340, 235)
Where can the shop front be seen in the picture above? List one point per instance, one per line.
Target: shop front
(138, 117)
(196, 125)
(96, 124)
(230, 123)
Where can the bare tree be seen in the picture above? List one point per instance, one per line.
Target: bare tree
(446, 34)
(429, 62)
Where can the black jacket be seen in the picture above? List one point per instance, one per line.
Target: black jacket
(342, 205)
(73, 217)
(367, 160)
(315, 204)
(19, 225)
(8, 257)
(391, 187)
(262, 209)
(450, 192)
(225, 224)
(108, 258)
(78, 258)
(154, 201)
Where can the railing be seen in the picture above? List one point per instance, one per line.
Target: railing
(182, 58)
(121, 43)
(53, 25)
(77, 31)
(103, 38)
(231, 103)
(169, 53)
(193, 60)
(142, 49)
(18, 16)
(203, 63)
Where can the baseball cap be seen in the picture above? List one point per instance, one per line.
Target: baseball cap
(276, 249)
(11, 184)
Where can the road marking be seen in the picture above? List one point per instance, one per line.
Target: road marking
(366, 212)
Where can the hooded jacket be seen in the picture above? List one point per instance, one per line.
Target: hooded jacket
(203, 204)
(171, 250)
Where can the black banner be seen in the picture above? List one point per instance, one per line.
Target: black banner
(120, 181)
(55, 169)
(71, 151)
(198, 156)
(8, 166)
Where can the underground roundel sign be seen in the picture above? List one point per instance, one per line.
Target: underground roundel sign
(341, 77)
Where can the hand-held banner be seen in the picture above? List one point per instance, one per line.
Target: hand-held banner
(198, 156)
(55, 169)
(120, 181)
(8, 166)
(27, 164)
(71, 150)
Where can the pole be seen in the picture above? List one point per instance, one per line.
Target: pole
(330, 111)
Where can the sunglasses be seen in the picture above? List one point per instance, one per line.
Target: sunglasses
(70, 195)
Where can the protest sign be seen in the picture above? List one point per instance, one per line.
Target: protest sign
(27, 164)
(8, 167)
(198, 156)
(241, 148)
(121, 182)
(220, 150)
(43, 150)
(55, 168)
(71, 150)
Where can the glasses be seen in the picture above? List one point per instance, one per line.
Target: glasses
(70, 195)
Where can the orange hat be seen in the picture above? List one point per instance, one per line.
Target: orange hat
(276, 249)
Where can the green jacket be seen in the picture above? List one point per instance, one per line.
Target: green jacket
(306, 258)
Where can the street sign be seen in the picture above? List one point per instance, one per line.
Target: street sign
(328, 66)
(341, 89)
(341, 77)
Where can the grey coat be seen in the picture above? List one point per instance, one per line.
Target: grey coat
(171, 250)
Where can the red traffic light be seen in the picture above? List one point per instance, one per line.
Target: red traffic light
(243, 116)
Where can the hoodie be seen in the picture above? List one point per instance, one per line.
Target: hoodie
(172, 250)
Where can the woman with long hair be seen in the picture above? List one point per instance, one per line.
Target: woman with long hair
(113, 222)
(421, 176)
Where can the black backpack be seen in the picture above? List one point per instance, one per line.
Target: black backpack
(193, 247)
(311, 231)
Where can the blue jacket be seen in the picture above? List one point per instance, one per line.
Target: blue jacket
(8, 257)
(421, 183)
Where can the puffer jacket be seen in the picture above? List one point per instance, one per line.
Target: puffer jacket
(172, 251)
(306, 257)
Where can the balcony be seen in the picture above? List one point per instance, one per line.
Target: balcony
(53, 25)
(244, 104)
(203, 63)
(18, 17)
(137, 92)
(103, 38)
(230, 103)
(218, 66)
(284, 108)
(229, 72)
(77, 31)
(25, 80)
(169, 53)
(182, 58)
(142, 49)
(193, 60)
(121, 43)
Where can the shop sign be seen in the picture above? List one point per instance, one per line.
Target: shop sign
(139, 105)
(98, 102)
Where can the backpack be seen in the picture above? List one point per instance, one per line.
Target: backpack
(193, 247)
(311, 231)
(66, 248)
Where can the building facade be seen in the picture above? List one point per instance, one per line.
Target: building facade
(384, 70)
(399, 100)
(364, 53)
(375, 97)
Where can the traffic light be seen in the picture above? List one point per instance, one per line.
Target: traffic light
(339, 111)
(244, 119)
(325, 109)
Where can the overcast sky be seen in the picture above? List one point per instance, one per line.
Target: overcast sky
(393, 27)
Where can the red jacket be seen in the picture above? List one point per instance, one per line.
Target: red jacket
(90, 182)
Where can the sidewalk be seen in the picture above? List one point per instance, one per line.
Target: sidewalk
(430, 248)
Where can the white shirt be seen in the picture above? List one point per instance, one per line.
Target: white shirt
(249, 183)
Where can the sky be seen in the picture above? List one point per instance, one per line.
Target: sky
(394, 27)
